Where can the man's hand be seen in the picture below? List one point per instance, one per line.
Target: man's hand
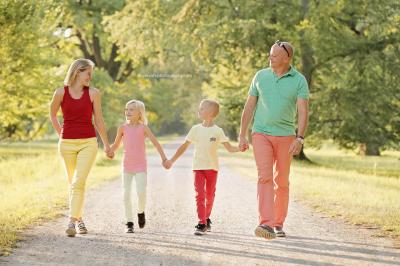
(295, 147)
(243, 144)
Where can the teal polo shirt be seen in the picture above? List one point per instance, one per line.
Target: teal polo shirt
(276, 107)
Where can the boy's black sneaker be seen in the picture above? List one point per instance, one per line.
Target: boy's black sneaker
(129, 227)
(141, 220)
(209, 225)
(201, 229)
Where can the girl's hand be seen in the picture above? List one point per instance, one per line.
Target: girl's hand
(110, 154)
(167, 164)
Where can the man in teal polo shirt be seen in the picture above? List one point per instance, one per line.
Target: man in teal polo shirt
(275, 96)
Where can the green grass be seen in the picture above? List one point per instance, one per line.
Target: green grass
(388, 164)
(341, 184)
(34, 187)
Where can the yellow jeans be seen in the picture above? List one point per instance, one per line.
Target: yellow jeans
(78, 156)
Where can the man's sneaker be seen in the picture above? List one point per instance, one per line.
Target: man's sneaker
(141, 220)
(209, 225)
(71, 231)
(201, 229)
(82, 228)
(264, 231)
(129, 227)
(279, 232)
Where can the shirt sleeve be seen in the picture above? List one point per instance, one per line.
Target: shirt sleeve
(191, 136)
(253, 87)
(302, 91)
(221, 136)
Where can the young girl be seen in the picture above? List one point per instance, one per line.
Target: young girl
(133, 134)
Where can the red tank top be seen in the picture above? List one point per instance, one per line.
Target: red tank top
(77, 114)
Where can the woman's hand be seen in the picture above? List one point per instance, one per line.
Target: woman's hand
(108, 151)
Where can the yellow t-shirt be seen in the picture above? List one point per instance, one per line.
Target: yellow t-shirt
(206, 140)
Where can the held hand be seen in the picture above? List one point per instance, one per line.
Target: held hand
(243, 144)
(110, 154)
(295, 148)
(107, 149)
(167, 164)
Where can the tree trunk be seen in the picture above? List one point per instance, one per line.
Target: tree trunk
(362, 149)
(307, 63)
(307, 55)
(372, 149)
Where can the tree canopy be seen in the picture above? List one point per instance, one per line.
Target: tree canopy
(170, 54)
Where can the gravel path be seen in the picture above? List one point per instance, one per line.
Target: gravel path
(168, 236)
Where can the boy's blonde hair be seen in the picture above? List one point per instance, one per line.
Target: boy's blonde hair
(142, 110)
(212, 104)
(78, 65)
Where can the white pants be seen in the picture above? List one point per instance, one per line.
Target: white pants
(141, 183)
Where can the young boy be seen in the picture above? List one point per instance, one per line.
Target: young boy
(205, 137)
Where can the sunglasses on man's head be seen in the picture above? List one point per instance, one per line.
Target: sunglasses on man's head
(280, 44)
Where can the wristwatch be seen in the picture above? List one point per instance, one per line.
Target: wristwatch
(300, 139)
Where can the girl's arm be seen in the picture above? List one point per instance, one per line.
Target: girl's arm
(230, 148)
(98, 118)
(54, 107)
(117, 140)
(155, 142)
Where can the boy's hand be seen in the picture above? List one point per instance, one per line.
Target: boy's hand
(243, 144)
(167, 164)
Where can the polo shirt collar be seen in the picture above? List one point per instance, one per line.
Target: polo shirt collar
(291, 72)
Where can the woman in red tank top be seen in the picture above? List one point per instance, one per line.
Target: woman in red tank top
(81, 107)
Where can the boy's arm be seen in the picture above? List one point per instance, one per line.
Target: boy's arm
(155, 142)
(230, 148)
(180, 151)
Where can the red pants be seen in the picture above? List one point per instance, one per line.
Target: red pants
(204, 183)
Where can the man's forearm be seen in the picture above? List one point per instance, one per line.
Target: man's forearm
(244, 122)
(302, 123)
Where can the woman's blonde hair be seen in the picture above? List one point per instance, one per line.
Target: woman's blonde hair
(142, 110)
(78, 65)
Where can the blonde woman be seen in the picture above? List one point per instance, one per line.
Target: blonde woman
(133, 133)
(78, 144)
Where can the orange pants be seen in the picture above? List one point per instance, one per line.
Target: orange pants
(273, 165)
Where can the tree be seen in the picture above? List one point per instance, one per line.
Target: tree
(355, 36)
(26, 60)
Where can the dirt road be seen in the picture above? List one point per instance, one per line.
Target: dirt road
(168, 236)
